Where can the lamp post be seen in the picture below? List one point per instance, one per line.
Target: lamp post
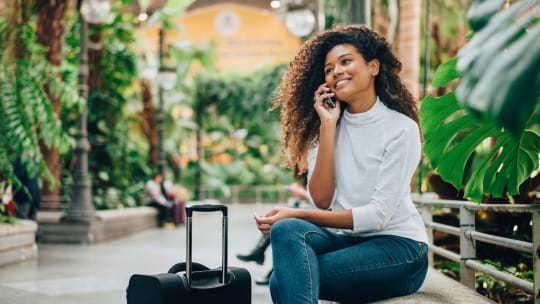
(299, 16)
(166, 79)
(361, 12)
(82, 208)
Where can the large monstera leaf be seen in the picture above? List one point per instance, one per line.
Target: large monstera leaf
(453, 135)
(499, 67)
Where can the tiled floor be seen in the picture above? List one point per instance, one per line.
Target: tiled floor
(99, 273)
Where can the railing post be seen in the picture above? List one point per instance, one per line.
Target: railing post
(427, 216)
(536, 257)
(467, 247)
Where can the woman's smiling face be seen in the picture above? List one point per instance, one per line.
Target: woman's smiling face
(348, 75)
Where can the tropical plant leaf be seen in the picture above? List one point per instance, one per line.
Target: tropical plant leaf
(453, 135)
(445, 73)
(499, 67)
(481, 11)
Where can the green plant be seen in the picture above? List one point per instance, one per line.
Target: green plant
(118, 163)
(448, 268)
(488, 286)
(7, 213)
(26, 113)
(476, 119)
(7, 205)
(499, 68)
(500, 291)
(226, 103)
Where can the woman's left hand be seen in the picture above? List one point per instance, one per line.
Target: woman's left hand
(264, 223)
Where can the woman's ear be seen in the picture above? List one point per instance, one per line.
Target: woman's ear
(374, 66)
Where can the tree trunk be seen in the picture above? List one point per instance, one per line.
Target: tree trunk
(408, 46)
(409, 43)
(380, 19)
(149, 121)
(20, 14)
(50, 32)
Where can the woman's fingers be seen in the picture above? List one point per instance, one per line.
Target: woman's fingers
(264, 228)
(261, 225)
(321, 93)
(264, 223)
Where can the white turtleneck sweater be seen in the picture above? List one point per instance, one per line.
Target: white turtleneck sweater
(376, 154)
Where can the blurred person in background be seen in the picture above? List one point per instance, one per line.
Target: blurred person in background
(154, 197)
(299, 196)
(28, 196)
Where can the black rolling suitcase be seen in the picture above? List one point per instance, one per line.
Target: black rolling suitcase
(192, 282)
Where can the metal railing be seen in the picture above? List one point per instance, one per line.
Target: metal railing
(468, 236)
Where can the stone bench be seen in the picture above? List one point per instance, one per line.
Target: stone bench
(437, 289)
(107, 225)
(18, 242)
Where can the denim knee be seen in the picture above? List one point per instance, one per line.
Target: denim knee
(284, 227)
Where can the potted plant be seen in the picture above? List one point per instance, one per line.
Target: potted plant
(490, 123)
(17, 237)
(7, 205)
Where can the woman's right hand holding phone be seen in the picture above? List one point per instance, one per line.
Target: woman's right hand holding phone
(326, 112)
(322, 183)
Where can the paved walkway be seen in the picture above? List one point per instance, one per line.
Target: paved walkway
(99, 273)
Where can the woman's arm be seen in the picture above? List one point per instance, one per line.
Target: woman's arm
(332, 219)
(322, 183)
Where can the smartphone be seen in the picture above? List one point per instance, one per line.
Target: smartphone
(330, 101)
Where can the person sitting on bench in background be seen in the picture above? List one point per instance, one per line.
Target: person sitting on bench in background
(179, 195)
(154, 197)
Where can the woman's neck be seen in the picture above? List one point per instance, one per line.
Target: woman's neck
(362, 103)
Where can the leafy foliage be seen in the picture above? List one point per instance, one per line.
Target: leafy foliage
(227, 103)
(501, 49)
(455, 135)
(118, 163)
(25, 111)
(240, 96)
(486, 285)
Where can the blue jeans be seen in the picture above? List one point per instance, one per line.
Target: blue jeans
(311, 262)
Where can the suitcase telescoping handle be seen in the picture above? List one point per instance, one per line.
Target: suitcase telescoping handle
(189, 214)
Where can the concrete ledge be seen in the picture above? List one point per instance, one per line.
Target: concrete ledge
(109, 224)
(126, 213)
(18, 242)
(437, 289)
(440, 289)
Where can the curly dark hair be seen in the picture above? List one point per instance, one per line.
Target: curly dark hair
(299, 121)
